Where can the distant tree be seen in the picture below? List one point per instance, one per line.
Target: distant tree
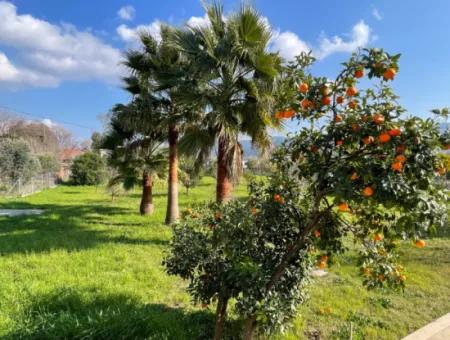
(40, 137)
(96, 141)
(259, 166)
(16, 161)
(65, 138)
(189, 174)
(135, 150)
(88, 169)
(49, 163)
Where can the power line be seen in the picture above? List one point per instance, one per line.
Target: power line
(10, 110)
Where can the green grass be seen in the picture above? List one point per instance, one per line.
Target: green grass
(91, 268)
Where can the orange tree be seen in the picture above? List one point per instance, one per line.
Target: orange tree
(362, 168)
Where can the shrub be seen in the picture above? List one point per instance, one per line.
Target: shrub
(88, 169)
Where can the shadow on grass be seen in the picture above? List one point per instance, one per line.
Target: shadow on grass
(70, 227)
(71, 314)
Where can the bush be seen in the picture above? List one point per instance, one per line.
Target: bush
(17, 161)
(88, 169)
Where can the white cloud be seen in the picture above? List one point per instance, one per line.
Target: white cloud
(126, 13)
(376, 14)
(359, 37)
(13, 77)
(55, 52)
(198, 21)
(131, 35)
(49, 122)
(288, 44)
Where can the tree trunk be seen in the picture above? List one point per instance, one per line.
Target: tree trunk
(224, 185)
(221, 313)
(172, 212)
(249, 327)
(147, 197)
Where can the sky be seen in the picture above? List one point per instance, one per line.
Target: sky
(60, 60)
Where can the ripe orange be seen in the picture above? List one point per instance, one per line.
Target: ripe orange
(306, 104)
(400, 158)
(394, 132)
(378, 237)
(352, 104)
(324, 258)
(420, 243)
(322, 264)
(339, 142)
(289, 113)
(354, 176)
(303, 87)
(254, 211)
(397, 166)
(384, 137)
(381, 277)
(389, 74)
(356, 127)
(351, 91)
(368, 191)
(402, 277)
(343, 207)
(378, 119)
(340, 100)
(326, 100)
(359, 73)
(400, 148)
(317, 233)
(278, 198)
(338, 118)
(368, 140)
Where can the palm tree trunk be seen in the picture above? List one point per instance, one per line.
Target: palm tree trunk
(146, 207)
(172, 212)
(224, 184)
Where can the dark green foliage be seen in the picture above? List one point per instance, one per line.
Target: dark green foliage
(88, 169)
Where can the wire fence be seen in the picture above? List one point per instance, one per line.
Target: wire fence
(20, 187)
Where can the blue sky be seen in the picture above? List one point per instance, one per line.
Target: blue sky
(58, 59)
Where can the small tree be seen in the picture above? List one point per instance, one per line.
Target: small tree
(16, 161)
(361, 168)
(188, 173)
(49, 163)
(88, 169)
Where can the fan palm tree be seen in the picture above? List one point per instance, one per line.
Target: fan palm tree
(231, 75)
(135, 151)
(157, 61)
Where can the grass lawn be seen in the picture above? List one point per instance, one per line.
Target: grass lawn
(91, 268)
